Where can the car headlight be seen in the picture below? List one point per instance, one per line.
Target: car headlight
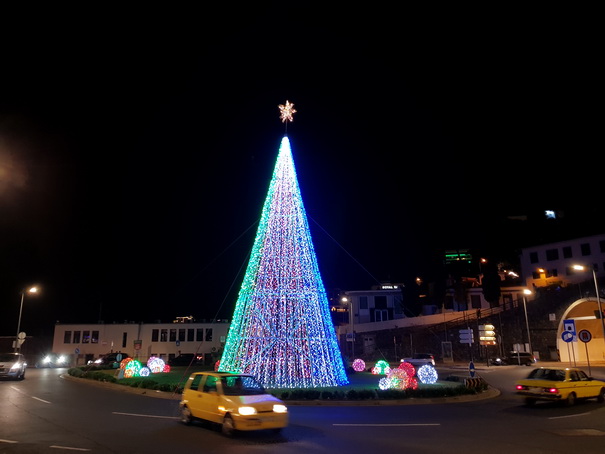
(16, 366)
(46, 360)
(61, 360)
(279, 408)
(247, 411)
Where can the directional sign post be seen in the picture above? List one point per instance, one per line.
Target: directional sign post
(585, 336)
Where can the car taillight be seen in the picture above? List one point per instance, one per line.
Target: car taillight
(551, 390)
(520, 387)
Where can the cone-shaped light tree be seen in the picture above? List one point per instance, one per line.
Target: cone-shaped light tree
(281, 331)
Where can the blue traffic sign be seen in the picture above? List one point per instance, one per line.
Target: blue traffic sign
(567, 336)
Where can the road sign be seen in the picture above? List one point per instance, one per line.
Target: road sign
(466, 336)
(567, 336)
(77, 350)
(471, 369)
(569, 326)
(487, 335)
(584, 335)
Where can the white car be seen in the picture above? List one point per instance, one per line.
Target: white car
(12, 365)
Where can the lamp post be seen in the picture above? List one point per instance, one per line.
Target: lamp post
(348, 301)
(29, 290)
(596, 288)
(527, 292)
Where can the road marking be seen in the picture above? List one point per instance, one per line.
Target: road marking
(581, 432)
(7, 441)
(69, 448)
(569, 416)
(33, 397)
(145, 416)
(385, 425)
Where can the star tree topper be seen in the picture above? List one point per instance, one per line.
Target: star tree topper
(286, 112)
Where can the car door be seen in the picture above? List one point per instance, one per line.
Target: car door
(210, 400)
(194, 396)
(586, 387)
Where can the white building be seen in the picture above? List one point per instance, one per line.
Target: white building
(84, 342)
(552, 263)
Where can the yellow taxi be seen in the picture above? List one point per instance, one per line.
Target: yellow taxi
(237, 402)
(562, 384)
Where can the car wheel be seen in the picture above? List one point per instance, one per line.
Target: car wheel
(22, 376)
(186, 417)
(601, 396)
(228, 427)
(530, 402)
(571, 399)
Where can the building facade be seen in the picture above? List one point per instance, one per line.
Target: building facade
(85, 342)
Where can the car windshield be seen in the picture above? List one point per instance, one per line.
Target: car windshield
(241, 385)
(547, 374)
(4, 357)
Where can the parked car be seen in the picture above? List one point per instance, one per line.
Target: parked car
(515, 358)
(559, 384)
(53, 360)
(237, 402)
(186, 359)
(110, 359)
(12, 365)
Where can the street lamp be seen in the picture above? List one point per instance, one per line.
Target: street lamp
(29, 290)
(596, 288)
(346, 300)
(527, 292)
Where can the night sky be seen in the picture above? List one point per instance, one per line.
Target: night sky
(136, 147)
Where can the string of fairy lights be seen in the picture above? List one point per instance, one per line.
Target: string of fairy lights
(281, 330)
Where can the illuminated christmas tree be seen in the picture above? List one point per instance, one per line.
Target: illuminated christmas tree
(282, 332)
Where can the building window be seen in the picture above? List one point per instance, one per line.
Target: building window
(95, 337)
(585, 249)
(164, 335)
(208, 334)
(181, 334)
(190, 335)
(567, 252)
(67, 337)
(172, 335)
(155, 334)
(363, 302)
(533, 257)
(380, 302)
(199, 335)
(476, 301)
(552, 254)
(86, 337)
(124, 340)
(398, 305)
(381, 315)
(77, 337)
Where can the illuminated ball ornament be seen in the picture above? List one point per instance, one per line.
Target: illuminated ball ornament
(399, 378)
(408, 367)
(217, 365)
(359, 365)
(144, 372)
(155, 364)
(427, 374)
(124, 362)
(132, 368)
(381, 368)
(166, 367)
(385, 383)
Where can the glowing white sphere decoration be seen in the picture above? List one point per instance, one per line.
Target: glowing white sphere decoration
(144, 372)
(427, 374)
